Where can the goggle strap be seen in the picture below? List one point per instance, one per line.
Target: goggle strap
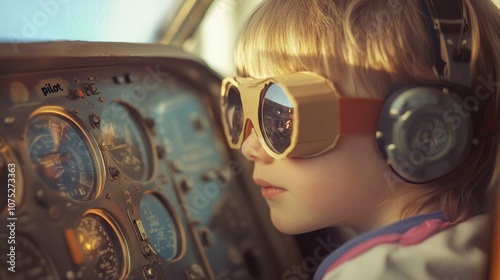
(359, 115)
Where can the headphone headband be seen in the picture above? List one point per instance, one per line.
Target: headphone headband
(425, 132)
(448, 25)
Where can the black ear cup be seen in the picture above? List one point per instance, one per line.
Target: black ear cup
(423, 133)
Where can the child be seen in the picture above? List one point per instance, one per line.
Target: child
(416, 200)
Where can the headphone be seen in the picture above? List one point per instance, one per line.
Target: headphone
(426, 131)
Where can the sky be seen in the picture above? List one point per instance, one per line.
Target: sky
(89, 20)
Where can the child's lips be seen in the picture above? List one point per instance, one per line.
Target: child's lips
(271, 192)
(267, 190)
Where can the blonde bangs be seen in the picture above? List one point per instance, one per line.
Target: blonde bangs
(351, 42)
(282, 37)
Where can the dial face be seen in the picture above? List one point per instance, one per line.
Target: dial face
(126, 141)
(63, 156)
(29, 262)
(101, 247)
(159, 225)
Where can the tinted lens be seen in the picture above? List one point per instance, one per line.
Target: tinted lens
(234, 114)
(277, 118)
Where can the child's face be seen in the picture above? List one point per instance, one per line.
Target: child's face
(345, 186)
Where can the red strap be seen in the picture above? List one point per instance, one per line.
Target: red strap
(358, 115)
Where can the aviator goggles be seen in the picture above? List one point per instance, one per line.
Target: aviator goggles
(294, 115)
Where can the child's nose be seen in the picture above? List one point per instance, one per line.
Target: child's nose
(253, 150)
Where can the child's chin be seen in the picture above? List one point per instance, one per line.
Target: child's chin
(292, 228)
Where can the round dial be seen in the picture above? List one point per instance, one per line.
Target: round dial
(63, 155)
(29, 263)
(160, 226)
(126, 140)
(102, 247)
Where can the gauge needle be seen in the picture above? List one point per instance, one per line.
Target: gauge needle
(118, 147)
(53, 159)
(57, 133)
(127, 137)
(54, 134)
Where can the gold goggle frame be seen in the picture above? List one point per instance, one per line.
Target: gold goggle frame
(320, 114)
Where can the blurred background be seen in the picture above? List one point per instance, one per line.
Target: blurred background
(204, 27)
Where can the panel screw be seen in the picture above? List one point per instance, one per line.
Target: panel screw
(114, 172)
(95, 120)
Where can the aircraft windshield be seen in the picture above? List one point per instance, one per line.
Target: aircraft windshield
(91, 20)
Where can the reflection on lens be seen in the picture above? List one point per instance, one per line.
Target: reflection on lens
(277, 118)
(234, 114)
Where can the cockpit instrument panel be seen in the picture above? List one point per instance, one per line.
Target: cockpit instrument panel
(64, 154)
(127, 140)
(114, 167)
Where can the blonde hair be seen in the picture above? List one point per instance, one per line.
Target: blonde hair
(367, 47)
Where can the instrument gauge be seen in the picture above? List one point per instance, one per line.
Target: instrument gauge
(11, 176)
(162, 228)
(127, 141)
(30, 261)
(102, 246)
(65, 156)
